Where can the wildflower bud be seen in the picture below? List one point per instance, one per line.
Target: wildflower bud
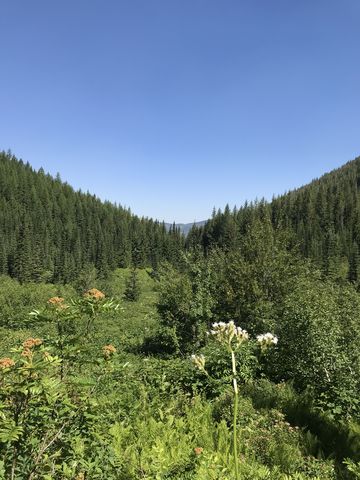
(198, 361)
(266, 340)
(47, 355)
(228, 333)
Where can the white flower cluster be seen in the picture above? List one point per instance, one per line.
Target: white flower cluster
(225, 333)
(198, 361)
(267, 340)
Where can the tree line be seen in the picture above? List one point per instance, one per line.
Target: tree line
(49, 232)
(323, 218)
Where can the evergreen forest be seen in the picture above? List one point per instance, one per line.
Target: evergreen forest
(50, 232)
(130, 351)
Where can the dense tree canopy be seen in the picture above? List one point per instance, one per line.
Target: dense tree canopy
(50, 232)
(323, 216)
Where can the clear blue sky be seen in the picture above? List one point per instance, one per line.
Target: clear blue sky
(173, 107)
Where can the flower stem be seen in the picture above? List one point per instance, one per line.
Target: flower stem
(236, 400)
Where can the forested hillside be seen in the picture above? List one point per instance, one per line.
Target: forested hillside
(323, 216)
(50, 232)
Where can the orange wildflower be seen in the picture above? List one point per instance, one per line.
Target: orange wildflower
(26, 352)
(31, 342)
(94, 294)
(198, 450)
(6, 362)
(57, 302)
(108, 350)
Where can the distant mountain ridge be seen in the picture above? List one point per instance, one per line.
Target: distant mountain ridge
(185, 227)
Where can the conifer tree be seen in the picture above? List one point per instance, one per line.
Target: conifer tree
(132, 287)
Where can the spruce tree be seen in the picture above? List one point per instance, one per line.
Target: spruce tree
(132, 287)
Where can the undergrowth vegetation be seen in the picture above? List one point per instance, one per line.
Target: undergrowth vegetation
(93, 386)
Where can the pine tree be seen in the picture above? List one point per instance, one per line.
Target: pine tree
(132, 287)
(354, 264)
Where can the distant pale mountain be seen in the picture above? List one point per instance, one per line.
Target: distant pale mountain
(185, 227)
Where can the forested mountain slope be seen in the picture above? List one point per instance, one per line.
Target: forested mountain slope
(324, 216)
(50, 232)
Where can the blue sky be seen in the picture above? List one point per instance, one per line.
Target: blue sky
(173, 107)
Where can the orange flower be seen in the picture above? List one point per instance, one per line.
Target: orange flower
(94, 294)
(198, 450)
(108, 350)
(26, 352)
(57, 302)
(6, 362)
(31, 342)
